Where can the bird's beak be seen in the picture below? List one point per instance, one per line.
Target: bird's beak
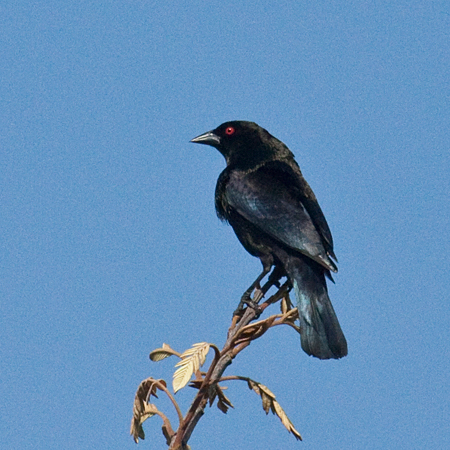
(208, 138)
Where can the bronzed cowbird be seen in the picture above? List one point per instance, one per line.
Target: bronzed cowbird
(262, 194)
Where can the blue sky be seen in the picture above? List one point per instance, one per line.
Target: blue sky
(109, 241)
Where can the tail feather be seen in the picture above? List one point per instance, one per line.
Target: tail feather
(321, 334)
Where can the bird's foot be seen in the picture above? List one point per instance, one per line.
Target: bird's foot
(246, 300)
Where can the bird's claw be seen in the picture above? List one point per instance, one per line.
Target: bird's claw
(246, 300)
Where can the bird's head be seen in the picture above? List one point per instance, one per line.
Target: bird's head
(243, 144)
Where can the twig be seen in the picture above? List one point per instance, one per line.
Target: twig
(231, 348)
(240, 335)
(174, 402)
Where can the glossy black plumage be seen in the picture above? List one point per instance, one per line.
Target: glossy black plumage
(277, 218)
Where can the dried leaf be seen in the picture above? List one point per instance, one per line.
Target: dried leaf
(266, 402)
(142, 409)
(163, 382)
(267, 396)
(251, 330)
(141, 412)
(266, 390)
(253, 385)
(152, 387)
(278, 410)
(269, 403)
(257, 329)
(162, 353)
(149, 410)
(196, 384)
(192, 360)
(223, 403)
(291, 315)
(222, 407)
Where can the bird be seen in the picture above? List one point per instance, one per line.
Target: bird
(275, 215)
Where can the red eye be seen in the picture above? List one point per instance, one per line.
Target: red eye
(229, 131)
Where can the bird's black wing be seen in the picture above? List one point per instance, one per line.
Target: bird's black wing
(290, 175)
(273, 199)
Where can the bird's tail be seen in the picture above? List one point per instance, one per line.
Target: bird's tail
(321, 334)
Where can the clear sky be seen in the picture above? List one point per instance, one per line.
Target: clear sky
(109, 241)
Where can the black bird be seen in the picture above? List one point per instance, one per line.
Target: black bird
(262, 194)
